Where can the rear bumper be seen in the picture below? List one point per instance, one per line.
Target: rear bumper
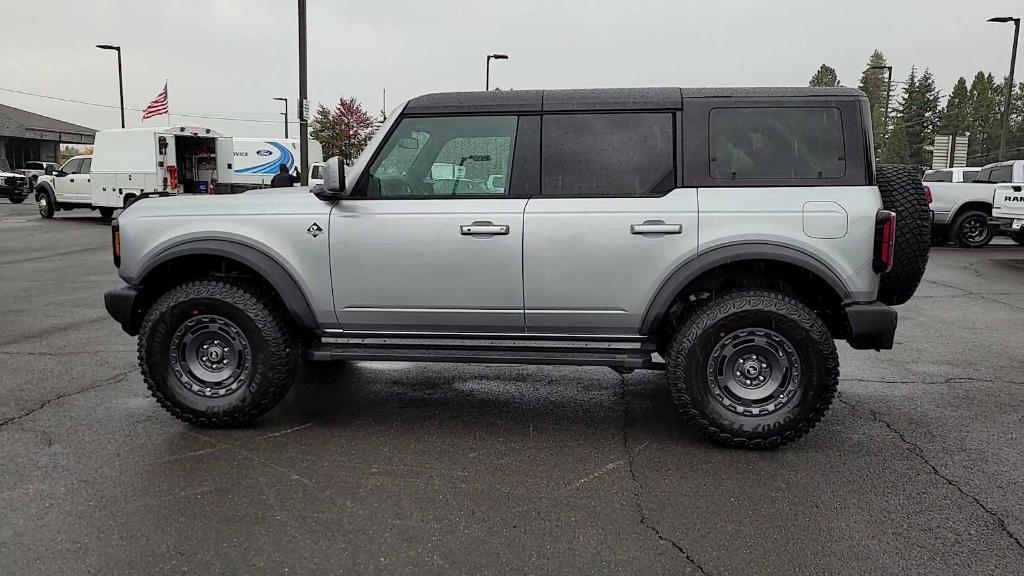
(120, 304)
(1001, 224)
(872, 326)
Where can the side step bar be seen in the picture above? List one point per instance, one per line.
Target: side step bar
(625, 355)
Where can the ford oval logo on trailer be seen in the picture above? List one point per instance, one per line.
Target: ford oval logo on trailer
(264, 152)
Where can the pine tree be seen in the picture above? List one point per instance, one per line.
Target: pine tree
(874, 83)
(984, 117)
(956, 115)
(897, 150)
(825, 77)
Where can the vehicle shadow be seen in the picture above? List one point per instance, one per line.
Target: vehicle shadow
(480, 397)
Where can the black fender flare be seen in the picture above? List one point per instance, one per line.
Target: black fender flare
(694, 267)
(44, 187)
(266, 266)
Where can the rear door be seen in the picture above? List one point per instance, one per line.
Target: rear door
(427, 242)
(609, 224)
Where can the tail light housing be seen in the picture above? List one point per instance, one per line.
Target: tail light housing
(928, 194)
(115, 242)
(885, 241)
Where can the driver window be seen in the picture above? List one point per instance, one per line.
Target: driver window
(445, 157)
(72, 166)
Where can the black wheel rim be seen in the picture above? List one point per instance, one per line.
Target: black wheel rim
(974, 229)
(210, 356)
(754, 372)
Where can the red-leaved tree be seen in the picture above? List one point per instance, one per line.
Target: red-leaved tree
(343, 131)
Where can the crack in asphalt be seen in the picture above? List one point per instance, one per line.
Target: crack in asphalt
(52, 255)
(952, 380)
(115, 379)
(916, 450)
(638, 494)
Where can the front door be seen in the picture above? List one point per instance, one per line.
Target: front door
(430, 239)
(610, 223)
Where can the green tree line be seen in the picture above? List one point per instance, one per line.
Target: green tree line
(917, 113)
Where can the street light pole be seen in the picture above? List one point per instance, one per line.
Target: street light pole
(303, 100)
(888, 92)
(120, 78)
(285, 113)
(487, 80)
(1009, 81)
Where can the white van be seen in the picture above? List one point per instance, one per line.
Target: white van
(130, 162)
(256, 160)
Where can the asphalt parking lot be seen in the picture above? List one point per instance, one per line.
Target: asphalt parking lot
(417, 468)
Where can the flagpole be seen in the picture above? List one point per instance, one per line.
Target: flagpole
(167, 94)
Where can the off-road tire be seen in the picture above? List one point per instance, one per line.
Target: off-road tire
(267, 330)
(106, 213)
(690, 381)
(958, 231)
(16, 200)
(903, 193)
(49, 207)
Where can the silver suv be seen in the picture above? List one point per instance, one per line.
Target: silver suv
(726, 236)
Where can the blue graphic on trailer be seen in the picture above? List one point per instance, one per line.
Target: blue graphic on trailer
(284, 156)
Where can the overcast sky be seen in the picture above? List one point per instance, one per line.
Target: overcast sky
(230, 57)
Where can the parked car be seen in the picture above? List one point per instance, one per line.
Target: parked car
(1008, 211)
(724, 236)
(13, 186)
(34, 169)
(68, 187)
(962, 210)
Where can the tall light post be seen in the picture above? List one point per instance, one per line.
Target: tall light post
(120, 80)
(888, 91)
(1009, 81)
(487, 81)
(285, 100)
(303, 104)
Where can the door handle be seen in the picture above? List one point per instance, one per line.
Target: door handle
(655, 227)
(483, 229)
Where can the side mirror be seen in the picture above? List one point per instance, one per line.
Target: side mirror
(409, 143)
(333, 187)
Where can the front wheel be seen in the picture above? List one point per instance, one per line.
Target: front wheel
(753, 369)
(106, 213)
(46, 204)
(16, 200)
(971, 229)
(1018, 236)
(217, 354)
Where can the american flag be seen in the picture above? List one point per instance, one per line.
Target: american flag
(158, 106)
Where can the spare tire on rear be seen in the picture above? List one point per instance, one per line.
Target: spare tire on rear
(903, 193)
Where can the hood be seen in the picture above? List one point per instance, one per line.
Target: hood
(261, 202)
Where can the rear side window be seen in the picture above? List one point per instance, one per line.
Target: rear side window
(86, 166)
(607, 154)
(939, 176)
(1002, 174)
(776, 143)
(970, 175)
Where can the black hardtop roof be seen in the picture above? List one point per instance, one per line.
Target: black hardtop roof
(600, 98)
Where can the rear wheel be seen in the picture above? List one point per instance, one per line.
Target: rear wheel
(106, 213)
(46, 204)
(16, 199)
(903, 193)
(217, 354)
(754, 369)
(971, 229)
(1018, 237)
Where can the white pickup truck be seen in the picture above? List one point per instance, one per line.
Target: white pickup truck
(962, 209)
(1008, 211)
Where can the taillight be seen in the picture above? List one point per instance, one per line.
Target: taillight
(928, 194)
(885, 241)
(115, 242)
